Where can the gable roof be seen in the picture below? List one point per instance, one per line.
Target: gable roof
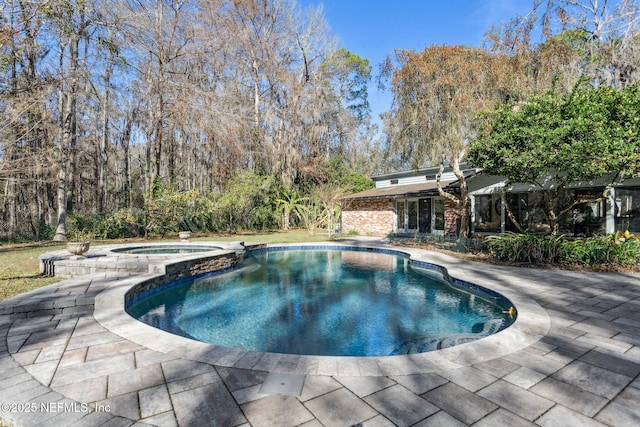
(397, 191)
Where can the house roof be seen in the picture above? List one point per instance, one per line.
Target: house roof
(431, 170)
(484, 184)
(395, 191)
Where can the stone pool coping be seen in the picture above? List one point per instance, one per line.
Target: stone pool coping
(531, 324)
(104, 258)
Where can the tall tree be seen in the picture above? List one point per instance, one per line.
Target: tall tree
(160, 35)
(276, 52)
(602, 37)
(437, 93)
(347, 75)
(24, 134)
(72, 21)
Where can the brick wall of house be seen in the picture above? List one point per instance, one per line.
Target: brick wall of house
(368, 217)
(451, 218)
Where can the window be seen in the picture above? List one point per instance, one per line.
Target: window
(412, 209)
(588, 215)
(627, 209)
(424, 215)
(439, 214)
(488, 213)
(400, 225)
(393, 181)
(518, 204)
(528, 208)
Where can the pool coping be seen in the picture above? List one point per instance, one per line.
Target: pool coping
(532, 323)
(104, 258)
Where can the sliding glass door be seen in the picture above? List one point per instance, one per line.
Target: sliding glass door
(420, 215)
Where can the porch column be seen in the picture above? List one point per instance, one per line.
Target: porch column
(472, 213)
(610, 218)
(503, 217)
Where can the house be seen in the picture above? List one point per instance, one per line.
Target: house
(594, 215)
(408, 202)
(403, 203)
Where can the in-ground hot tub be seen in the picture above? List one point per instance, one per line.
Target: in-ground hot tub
(165, 249)
(131, 258)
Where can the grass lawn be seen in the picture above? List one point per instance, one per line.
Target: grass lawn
(19, 270)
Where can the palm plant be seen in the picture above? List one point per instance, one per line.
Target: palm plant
(290, 203)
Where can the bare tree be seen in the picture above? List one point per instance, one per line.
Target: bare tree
(596, 39)
(437, 93)
(159, 35)
(71, 21)
(173, 94)
(24, 121)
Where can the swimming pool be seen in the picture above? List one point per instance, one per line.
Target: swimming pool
(325, 302)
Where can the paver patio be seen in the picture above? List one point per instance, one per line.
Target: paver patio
(69, 357)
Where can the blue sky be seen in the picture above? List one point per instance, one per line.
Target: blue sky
(374, 28)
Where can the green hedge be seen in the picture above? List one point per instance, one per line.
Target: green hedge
(614, 250)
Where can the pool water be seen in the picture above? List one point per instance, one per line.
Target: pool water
(165, 249)
(323, 302)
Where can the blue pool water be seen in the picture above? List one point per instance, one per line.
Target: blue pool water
(324, 302)
(164, 249)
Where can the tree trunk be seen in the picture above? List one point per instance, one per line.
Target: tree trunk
(102, 174)
(67, 134)
(158, 136)
(507, 208)
(12, 206)
(256, 113)
(61, 198)
(286, 214)
(461, 202)
(61, 190)
(126, 136)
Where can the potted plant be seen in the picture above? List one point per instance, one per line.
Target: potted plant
(78, 242)
(184, 235)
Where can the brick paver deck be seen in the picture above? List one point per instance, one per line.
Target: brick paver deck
(68, 356)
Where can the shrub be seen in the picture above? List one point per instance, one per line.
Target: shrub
(614, 250)
(82, 226)
(171, 211)
(248, 202)
(530, 248)
(120, 224)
